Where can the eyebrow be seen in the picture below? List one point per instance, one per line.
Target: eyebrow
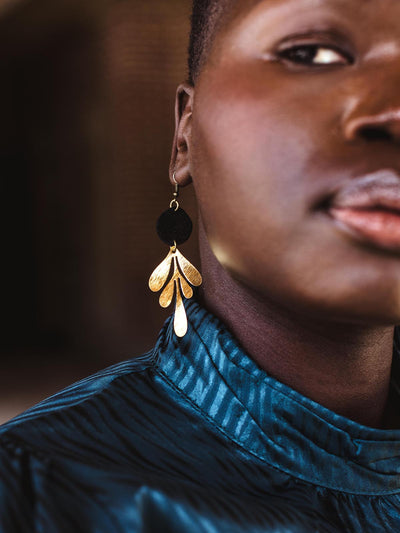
(314, 3)
(304, 4)
(275, 5)
(287, 3)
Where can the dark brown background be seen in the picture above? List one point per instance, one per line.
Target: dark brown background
(87, 96)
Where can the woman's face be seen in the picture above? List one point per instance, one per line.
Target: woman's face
(299, 102)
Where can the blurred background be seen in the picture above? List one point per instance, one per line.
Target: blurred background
(87, 113)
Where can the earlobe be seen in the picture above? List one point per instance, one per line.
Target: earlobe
(181, 149)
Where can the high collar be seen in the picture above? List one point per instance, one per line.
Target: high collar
(269, 419)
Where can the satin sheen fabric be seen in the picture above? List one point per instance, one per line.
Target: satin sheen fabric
(193, 437)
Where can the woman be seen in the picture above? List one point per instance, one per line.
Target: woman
(278, 409)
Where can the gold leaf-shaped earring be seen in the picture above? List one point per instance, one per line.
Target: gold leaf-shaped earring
(175, 276)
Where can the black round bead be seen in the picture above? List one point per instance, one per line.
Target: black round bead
(174, 226)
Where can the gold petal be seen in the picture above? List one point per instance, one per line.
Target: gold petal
(160, 275)
(180, 319)
(186, 288)
(192, 274)
(168, 294)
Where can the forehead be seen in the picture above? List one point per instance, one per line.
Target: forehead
(241, 5)
(239, 8)
(363, 12)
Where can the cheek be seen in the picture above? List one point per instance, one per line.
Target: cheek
(250, 155)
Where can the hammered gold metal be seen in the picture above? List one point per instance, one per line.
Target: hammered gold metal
(168, 294)
(184, 275)
(161, 273)
(191, 273)
(186, 288)
(180, 319)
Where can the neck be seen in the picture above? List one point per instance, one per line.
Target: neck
(343, 367)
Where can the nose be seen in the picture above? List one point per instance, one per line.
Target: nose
(374, 113)
(376, 127)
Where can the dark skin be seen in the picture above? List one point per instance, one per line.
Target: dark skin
(265, 138)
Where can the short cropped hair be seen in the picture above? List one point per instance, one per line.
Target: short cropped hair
(206, 15)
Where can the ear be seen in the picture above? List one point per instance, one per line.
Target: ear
(180, 159)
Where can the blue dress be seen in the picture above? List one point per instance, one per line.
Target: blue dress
(194, 437)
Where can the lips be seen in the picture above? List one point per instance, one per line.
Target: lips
(368, 208)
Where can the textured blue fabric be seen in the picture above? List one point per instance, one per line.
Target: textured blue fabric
(194, 437)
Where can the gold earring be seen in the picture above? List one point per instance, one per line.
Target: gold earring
(175, 227)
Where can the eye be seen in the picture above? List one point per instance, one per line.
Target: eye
(315, 55)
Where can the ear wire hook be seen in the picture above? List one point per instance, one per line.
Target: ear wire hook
(175, 204)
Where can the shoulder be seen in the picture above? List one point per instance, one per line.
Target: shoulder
(53, 444)
(87, 451)
(126, 416)
(77, 413)
(84, 390)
